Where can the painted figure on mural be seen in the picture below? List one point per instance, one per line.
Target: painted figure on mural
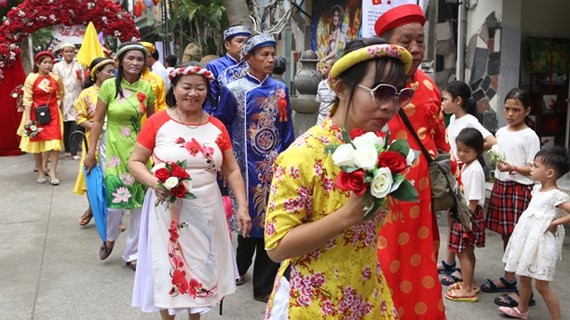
(335, 24)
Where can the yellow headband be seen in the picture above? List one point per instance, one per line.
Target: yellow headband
(99, 65)
(367, 53)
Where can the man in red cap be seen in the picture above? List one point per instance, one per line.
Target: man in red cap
(409, 241)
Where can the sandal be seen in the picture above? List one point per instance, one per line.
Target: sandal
(451, 295)
(490, 287)
(104, 251)
(86, 218)
(459, 285)
(451, 278)
(447, 268)
(507, 301)
(514, 313)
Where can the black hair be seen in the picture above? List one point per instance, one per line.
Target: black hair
(523, 97)
(155, 55)
(171, 60)
(461, 89)
(554, 158)
(391, 71)
(119, 78)
(280, 65)
(520, 95)
(170, 99)
(90, 81)
(473, 138)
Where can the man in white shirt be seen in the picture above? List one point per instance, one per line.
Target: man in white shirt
(71, 73)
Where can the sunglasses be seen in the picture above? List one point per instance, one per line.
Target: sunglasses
(385, 93)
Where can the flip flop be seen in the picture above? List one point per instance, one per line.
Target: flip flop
(85, 219)
(490, 287)
(450, 295)
(459, 285)
(451, 278)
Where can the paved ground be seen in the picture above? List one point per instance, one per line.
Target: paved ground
(49, 266)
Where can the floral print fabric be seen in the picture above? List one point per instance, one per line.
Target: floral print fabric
(123, 125)
(343, 280)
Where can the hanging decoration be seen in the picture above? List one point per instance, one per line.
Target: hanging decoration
(32, 15)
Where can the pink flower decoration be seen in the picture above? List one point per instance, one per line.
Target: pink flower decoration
(126, 132)
(122, 194)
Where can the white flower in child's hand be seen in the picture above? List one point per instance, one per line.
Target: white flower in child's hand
(381, 183)
(171, 183)
(344, 155)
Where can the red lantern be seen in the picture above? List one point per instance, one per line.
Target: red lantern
(3, 3)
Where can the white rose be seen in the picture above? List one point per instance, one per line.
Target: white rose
(14, 95)
(33, 128)
(171, 183)
(495, 149)
(344, 155)
(366, 157)
(188, 185)
(381, 183)
(368, 139)
(158, 166)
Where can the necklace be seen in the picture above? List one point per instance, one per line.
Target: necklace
(186, 124)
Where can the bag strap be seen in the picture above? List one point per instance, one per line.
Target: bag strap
(414, 133)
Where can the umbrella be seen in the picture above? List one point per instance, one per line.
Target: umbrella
(90, 47)
(97, 194)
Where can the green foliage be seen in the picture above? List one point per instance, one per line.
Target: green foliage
(199, 21)
(406, 192)
(400, 146)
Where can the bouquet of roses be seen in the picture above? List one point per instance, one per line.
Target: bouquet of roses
(496, 155)
(32, 129)
(373, 168)
(17, 95)
(173, 178)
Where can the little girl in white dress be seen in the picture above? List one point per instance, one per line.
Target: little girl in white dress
(536, 242)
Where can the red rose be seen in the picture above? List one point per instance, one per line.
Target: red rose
(162, 174)
(179, 191)
(179, 172)
(352, 182)
(392, 160)
(356, 132)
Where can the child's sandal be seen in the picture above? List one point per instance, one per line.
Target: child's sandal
(447, 268)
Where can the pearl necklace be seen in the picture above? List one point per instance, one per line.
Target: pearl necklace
(186, 124)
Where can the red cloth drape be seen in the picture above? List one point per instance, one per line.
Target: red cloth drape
(9, 116)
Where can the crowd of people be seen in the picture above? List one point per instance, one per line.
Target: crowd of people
(228, 125)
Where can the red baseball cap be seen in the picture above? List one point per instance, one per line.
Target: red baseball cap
(399, 16)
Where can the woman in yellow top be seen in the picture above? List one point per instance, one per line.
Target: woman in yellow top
(101, 69)
(330, 267)
(43, 88)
